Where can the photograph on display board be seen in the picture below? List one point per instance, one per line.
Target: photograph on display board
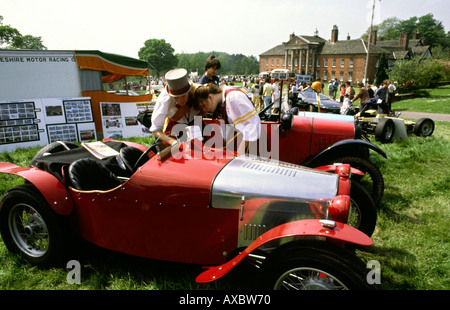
(53, 111)
(17, 110)
(131, 121)
(62, 132)
(111, 109)
(17, 123)
(86, 132)
(78, 110)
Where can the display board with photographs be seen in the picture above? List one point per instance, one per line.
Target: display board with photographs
(20, 123)
(28, 123)
(119, 120)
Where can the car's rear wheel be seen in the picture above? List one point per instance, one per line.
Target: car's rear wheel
(424, 127)
(313, 266)
(30, 228)
(385, 129)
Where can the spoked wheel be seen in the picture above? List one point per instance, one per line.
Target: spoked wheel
(307, 278)
(29, 227)
(28, 230)
(313, 265)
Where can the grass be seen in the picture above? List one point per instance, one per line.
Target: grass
(411, 241)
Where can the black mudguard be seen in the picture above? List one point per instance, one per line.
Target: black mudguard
(353, 147)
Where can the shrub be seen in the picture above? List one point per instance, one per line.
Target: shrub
(417, 73)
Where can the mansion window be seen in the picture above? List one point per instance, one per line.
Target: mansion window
(334, 63)
(325, 62)
(342, 62)
(350, 65)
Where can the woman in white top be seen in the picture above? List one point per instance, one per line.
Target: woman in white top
(236, 110)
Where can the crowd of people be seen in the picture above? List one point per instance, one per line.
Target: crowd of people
(181, 100)
(367, 95)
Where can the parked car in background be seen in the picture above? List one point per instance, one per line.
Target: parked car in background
(307, 101)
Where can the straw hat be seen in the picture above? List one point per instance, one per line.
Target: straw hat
(178, 83)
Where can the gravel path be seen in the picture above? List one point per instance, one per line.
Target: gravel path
(433, 116)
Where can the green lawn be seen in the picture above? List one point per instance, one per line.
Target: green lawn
(411, 241)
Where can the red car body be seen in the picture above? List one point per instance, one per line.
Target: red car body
(185, 208)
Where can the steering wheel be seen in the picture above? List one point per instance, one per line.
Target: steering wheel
(262, 114)
(141, 158)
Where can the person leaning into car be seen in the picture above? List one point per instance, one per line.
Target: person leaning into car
(175, 104)
(235, 108)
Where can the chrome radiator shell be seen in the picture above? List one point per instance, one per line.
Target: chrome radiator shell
(254, 177)
(270, 193)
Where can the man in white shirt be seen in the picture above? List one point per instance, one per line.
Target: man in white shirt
(174, 105)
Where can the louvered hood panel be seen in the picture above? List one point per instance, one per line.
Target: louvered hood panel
(256, 178)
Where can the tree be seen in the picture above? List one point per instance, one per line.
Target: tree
(159, 54)
(386, 30)
(417, 73)
(230, 64)
(383, 69)
(426, 26)
(11, 38)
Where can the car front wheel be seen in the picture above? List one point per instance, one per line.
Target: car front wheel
(313, 266)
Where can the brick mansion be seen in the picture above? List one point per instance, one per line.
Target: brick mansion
(343, 60)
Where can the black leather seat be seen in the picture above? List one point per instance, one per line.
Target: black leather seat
(89, 174)
(129, 155)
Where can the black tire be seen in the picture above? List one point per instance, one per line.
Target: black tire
(30, 228)
(363, 211)
(372, 180)
(313, 265)
(424, 127)
(384, 131)
(54, 147)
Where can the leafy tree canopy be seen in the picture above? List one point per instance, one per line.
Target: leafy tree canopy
(235, 64)
(159, 54)
(427, 26)
(11, 38)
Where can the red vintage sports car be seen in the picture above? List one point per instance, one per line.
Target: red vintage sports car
(178, 204)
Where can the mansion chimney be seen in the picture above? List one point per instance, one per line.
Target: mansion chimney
(403, 41)
(373, 37)
(334, 34)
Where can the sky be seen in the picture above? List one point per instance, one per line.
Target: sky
(248, 27)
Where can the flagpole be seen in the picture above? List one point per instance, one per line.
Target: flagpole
(365, 81)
